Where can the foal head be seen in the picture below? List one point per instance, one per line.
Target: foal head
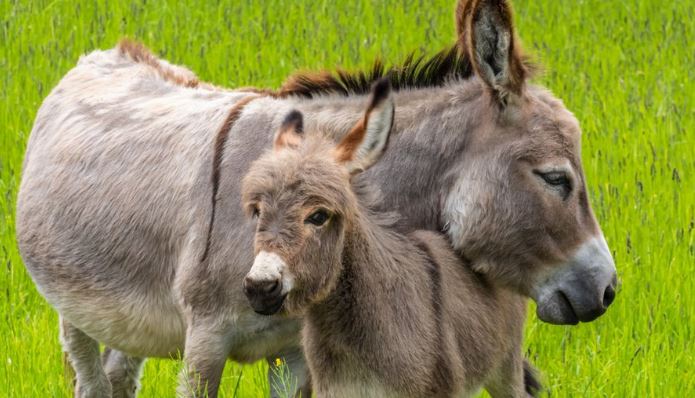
(300, 194)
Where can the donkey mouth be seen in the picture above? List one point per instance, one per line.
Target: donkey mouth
(557, 310)
(582, 289)
(267, 305)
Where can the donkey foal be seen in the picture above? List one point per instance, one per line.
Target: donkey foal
(385, 314)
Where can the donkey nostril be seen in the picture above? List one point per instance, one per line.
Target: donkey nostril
(608, 296)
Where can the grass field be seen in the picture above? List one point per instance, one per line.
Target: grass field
(626, 69)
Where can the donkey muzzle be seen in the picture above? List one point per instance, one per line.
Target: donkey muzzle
(581, 290)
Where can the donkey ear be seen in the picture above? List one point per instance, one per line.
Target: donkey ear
(290, 132)
(486, 34)
(365, 143)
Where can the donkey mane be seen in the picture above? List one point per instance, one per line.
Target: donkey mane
(138, 53)
(414, 72)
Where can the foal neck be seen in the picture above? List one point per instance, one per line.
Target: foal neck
(384, 283)
(379, 318)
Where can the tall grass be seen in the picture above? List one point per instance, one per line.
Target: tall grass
(625, 68)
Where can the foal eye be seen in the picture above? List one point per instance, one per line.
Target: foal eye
(318, 218)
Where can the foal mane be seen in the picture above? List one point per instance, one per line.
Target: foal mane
(414, 72)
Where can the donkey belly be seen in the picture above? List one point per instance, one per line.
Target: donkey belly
(102, 240)
(143, 324)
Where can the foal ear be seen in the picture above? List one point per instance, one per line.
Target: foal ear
(365, 143)
(486, 34)
(290, 132)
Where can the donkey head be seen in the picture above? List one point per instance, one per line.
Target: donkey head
(300, 193)
(518, 207)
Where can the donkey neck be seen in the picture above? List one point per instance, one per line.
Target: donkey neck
(431, 130)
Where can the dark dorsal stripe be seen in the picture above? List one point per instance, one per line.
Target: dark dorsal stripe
(218, 152)
(442, 376)
(414, 72)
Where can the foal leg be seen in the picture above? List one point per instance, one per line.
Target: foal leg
(83, 354)
(123, 372)
(295, 380)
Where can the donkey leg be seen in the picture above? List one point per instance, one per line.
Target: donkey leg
(205, 355)
(123, 372)
(83, 354)
(294, 380)
(508, 380)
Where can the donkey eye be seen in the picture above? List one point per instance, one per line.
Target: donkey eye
(558, 181)
(318, 218)
(256, 212)
(556, 178)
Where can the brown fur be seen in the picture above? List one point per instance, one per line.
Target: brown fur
(139, 53)
(414, 72)
(346, 149)
(385, 314)
(287, 139)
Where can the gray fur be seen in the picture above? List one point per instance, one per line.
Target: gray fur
(83, 353)
(123, 372)
(115, 203)
(385, 315)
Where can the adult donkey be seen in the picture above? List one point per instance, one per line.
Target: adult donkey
(129, 217)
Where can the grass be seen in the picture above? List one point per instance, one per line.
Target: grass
(625, 68)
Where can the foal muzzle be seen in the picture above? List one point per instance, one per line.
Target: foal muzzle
(265, 297)
(267, 283)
